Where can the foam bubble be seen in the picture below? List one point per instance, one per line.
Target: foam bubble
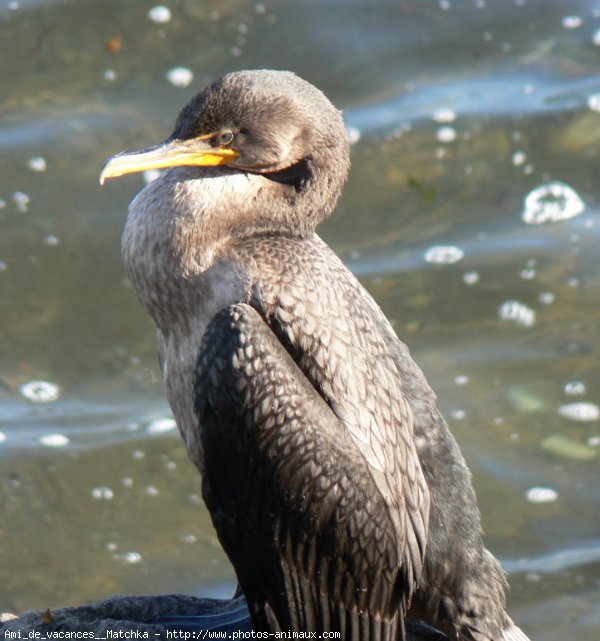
(54, 440)
(180, 76)
(572, 22)
(582, 412)
(444, 114)
(446, 134)
(161, 425)
(575, 388)
(551, 202)
(513, 310)
(131, 557)
(37, 163)
(541, 495)
(102, 493)
(160, 14)
(444, 254)
(40, 391)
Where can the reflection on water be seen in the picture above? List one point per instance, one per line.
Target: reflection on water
(465, 116)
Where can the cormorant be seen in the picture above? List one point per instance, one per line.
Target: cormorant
(333, 482)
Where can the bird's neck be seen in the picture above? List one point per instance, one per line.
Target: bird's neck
(166, 248)
(182, 223)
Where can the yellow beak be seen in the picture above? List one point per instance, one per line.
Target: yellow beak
(172, 153)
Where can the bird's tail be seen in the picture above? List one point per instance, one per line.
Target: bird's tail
(511, 632)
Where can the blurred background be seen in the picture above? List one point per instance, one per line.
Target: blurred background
(471, 214)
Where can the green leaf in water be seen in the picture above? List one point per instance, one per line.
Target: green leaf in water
(568, 448)
(427, 193)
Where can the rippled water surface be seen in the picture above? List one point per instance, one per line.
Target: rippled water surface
(471, 214)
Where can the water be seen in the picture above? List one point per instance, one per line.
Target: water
(459, 112)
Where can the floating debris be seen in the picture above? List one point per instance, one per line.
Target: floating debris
(524, 400)
(160, 14)
(47, 617)
(444, 254)
(575, 388)
(427, 193)
(151, 490)
(582, 412)
(138, 455)
(161, 425)
(458, 414)
(446, 134)
(21, 200)
(54, 440)
(127, 481)
(551, 202)
(102, 493)
(114, 44)
(3, 437)
(180, 77)
(568, 448)
(40, 391)
(110, 75)
(514, 311)
(541, 495)
(37, 163)
(3, 266)
(596, 38)
(51, 240)
(461, 379)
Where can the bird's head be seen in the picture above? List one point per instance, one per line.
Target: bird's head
(267, 123)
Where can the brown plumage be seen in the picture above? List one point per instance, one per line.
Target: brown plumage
(334, 485)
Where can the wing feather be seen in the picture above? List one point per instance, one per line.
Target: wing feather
(299, 519)
(311, 473)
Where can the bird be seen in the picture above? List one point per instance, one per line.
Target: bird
(333, 482)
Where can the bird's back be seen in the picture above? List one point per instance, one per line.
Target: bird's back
(318, 436)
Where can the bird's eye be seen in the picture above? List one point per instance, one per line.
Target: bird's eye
(224, 138)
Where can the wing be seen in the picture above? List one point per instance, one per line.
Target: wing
(314, 543)
(311, 474)
(339, 338)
